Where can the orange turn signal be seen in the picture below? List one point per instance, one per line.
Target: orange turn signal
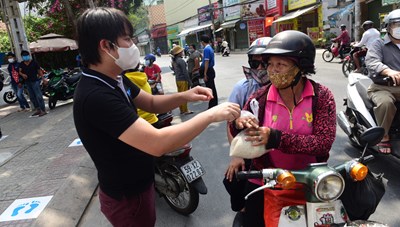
(358, 171)
(286, 179)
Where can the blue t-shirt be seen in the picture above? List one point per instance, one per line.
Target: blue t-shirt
(242, 91)
(208, 54)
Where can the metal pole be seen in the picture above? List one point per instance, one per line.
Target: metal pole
(211, 10)
(357, 19)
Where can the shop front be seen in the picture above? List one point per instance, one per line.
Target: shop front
(172, 36)
(159, 37)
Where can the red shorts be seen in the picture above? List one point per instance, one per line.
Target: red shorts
(135, 211)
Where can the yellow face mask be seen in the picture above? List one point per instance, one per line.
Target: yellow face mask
(283, 80)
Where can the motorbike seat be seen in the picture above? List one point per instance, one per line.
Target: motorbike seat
(73, 79)
(362, 88)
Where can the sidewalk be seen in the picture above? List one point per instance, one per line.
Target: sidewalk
(35, 161)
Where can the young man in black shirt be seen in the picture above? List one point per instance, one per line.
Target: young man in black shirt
(121, 144)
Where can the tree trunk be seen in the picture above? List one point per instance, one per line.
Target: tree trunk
(70, 14)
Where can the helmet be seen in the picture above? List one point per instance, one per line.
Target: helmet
(293, 44)
(367, 25)
(258, 46)
(392, 17)
(150, 57)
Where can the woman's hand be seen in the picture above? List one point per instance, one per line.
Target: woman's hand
(258, 136)
(227, 111)
(233, 167)
(246, 122)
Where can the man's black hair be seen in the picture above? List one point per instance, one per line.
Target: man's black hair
(10, 54)
(205, 38)
(24, 53)
(193, 46)
(97, 24)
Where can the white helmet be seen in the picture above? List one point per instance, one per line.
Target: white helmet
(259, 45)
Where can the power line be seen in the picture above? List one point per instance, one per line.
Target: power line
(173, 11)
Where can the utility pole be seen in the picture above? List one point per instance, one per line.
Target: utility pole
(357, 20)
(15, 27)
(211, 10)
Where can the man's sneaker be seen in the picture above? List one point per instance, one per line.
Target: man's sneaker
(36, 113)
(42, 113)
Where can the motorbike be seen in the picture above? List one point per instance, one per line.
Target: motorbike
(322, 185)
(61, 86)
(333, 51)
(178, 176)
(156, 87)
(225, 49)
(348, 65)
(358, 115)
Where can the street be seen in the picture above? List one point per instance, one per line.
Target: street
(53, 132)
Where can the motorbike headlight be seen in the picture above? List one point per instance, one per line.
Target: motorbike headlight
(329, 186)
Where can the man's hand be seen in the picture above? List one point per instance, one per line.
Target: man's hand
(227, 111)
(233, 168)
(395, 75)
(198, 93)
(205, 78)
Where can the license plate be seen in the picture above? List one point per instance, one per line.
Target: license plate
(192, 170)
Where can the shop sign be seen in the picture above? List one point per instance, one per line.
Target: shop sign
(231, 12)
(286, 26)
(143, 38)
(314, 33)
(204, 13)
(172, 32)
(159, 32)
(389, 2)
(295, 4)
(253, 10)
(274, 7)
(255, 29)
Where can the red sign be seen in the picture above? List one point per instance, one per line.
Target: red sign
(159, 32)
(274, 7)
(256, 29)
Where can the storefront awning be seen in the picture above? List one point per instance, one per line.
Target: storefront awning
(219, 29)
(229, 24)
(193, 30)
(340, 13)
(295, 14)
(142, 44)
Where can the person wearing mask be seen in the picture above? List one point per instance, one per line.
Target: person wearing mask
(255, 77)
(153, 72)
(383, 60)
(17, 82)
(183, 82)
(297, 119)
(194, 65)
(369, 36)
(120, 143)
(30, 70)
(207, 69)
(344, 40)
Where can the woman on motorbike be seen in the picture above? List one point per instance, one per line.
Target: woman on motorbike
(153, 72)
(296, 120)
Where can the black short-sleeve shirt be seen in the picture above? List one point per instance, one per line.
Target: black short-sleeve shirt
(31, 70)
(102, 112)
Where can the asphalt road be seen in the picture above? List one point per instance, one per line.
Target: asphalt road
(211, 148)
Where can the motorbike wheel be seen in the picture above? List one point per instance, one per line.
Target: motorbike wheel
(347, 67)
(186, 202)
(10, 97)
(52, 102)
(327, 55)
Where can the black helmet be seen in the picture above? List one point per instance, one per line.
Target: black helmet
(294, 44)
(392, 17)
(367, 25)
(342, 26)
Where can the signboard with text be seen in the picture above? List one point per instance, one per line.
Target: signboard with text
(296, 4)
(255, 29)
(253, 10)
(231, 9)
(274, 7)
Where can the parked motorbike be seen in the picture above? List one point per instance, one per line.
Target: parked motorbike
(349, 66)
(178, 176)
(9, 95)
(359, 115)
(323, 186)
(333, 51)
(61, 86)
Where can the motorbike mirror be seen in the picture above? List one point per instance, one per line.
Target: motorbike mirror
(372, 136)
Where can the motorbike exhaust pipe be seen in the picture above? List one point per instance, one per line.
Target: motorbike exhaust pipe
(344, 123)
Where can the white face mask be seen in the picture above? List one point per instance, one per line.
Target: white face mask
(396, 33)
(147, 62)
(129, 57)
(11, 60)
